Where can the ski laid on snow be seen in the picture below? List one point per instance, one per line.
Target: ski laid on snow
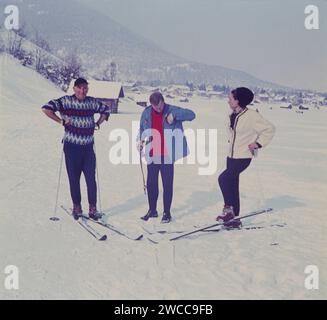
(113, 228)
(87, 227)
(162, 231)
(254, 213)
(247, 228)
(219, 229)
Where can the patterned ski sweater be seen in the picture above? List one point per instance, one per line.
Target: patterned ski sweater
(81, 129)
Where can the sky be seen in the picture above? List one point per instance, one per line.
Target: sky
(265, 38)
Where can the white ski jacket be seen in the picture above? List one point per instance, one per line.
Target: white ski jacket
(249, 127)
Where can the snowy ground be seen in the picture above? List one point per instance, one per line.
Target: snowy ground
(60, 260)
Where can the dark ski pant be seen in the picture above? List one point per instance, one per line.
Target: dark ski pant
(229, 182)
(167, 176)
(81, 159)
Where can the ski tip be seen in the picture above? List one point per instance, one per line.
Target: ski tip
(152, 241)
(103, 238)
(139, 237)
(54, 219)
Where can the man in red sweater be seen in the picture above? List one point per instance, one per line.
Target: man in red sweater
(156, 119)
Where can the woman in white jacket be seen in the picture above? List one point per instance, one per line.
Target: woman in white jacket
(248, 131)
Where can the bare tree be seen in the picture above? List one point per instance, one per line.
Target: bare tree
(110, 73)
(202, 87)
(2, 43)
(113, 71)
(74, 64)
(42, 49)
(15, 41)
(72, 68)
(190, 85)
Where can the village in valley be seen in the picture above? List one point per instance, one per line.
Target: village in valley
(113, 92)
(297, 100)
(110, 86)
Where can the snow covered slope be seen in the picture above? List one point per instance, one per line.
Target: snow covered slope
(59, 260)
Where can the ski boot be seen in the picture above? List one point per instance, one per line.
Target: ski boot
(150, 214)
(94, 214)
(77, 211)
(166, 218)
(227, 214)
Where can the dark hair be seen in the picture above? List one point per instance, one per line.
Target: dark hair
(156, 97)
(80, 81)
(243, 95)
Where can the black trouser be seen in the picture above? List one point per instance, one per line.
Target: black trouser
(81, 159)
(229, 182)
(167, 176)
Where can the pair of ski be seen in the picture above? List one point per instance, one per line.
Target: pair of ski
(83, 222)
(209, 228)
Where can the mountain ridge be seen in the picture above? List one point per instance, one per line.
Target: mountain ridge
(99, 40)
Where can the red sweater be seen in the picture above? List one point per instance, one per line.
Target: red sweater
(158, 143)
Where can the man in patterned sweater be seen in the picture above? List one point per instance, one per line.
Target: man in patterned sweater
(77, 117)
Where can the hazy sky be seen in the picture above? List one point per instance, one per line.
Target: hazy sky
(266, 38)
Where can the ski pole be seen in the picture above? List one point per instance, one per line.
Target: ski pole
(98, 180)
(141, 164)
(55, 218)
